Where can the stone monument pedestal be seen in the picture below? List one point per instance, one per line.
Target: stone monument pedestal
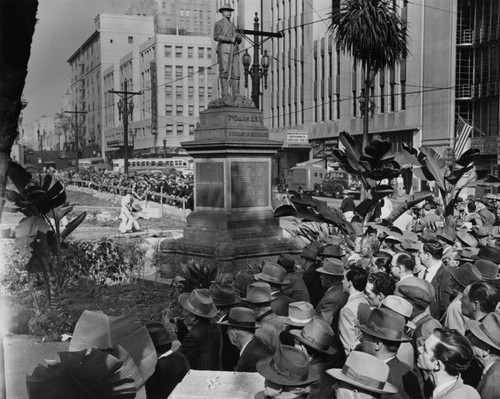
(232, 224)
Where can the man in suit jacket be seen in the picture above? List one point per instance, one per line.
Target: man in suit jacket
(485, 339)
(444, 356)
(310, 261)
(201, 346)
(296, 288)
(274, 275)
(241, 332)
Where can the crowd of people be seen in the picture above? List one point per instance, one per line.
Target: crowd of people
(177, 189)
(404, 313)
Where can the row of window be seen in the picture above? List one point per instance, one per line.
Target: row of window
(179, 72)
(203, 52)
(179, 91)
(179, 109)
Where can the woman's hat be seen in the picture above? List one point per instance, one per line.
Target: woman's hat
(286, 261)
(318, 335)
(289, 366)
(259, 292)
(243, 318)
(299, 314)
(385, 324)
(226, 7)
(159, 334)
(487, 330)
(332, 266)
(198, 302)
(364, 371)
(273, 273)
(465, 274)
(223, 294)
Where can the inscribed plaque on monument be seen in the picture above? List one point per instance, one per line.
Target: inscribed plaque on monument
(210, 184)
(249, 184)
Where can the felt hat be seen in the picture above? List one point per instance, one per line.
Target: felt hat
(397, 304)
(488, 253)
(481, 231)
(310, 253)
(420, 290)
(465, 274)
(487, 330)
(286, 261)
(447, 235)
(224, 294)
(259, 292)
(332, 266)
(198, 302)
(468, 239)
(487, 268)
(331, 251)
(366, 372)
(299, 314)
(159, 334)
(273, 273)
(289, 366)
(331, 239)
(409, 242)
(240, 317)
(318, 335)
(241, 282)
(427, 235)
(468, 254)
(385, 324)
(226, 7)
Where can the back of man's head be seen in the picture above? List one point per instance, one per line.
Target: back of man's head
(434, 248)
(405, 261)
(485, 294)
(358, 278)
(453, 350)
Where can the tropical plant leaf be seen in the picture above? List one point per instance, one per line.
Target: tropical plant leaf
(377, 148)
(411, 154)
(352, 151)
(71, 226)
(468, 157)
(408, 204)
(61, 211)
(19, 176)
(366, 206)
(435, 165)
(35, 264)
(28, 229)
(381, 191)
(285, 210)
(457, 174)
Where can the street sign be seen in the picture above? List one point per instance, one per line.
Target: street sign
(296, 139)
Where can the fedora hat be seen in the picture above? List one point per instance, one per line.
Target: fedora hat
(240, 317)
(364, 371)
(465, 274)
(273, 273)
(299, 314)
(487, 330)
(310, 253)
(318, 335)
(385, 324)
(331, 251)
(397, 304)
(331, 239)
(468, 254)
(468, 239)
(198, 302)
(159, 334)
(259, 292)
(286, 261)
(487, 268)
(241, 282)
(427, 235)
(409, 242)
(447, 235)
(223, 294)
(481, 231)
(226, 7)
(489, 253)
(289, 366)
(332, 266)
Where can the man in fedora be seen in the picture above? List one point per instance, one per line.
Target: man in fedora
(241, 282)
(202, 344)
(287, 373)
(488, 268)
(275, 276)
(462, 276)
(299, 314)
(487, 217)
(241, 327)
(171, 366)
(383, 334)
(259, 299)
(364, 376)
(331, 275)
(296, 288)
(310, 261)
(227, 37)
(316, 339)
(485, 340)
(444, 355)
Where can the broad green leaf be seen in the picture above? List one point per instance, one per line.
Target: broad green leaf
(19, 176)
(73, 225)
(28, 228)
(408, 204)
(435, 165)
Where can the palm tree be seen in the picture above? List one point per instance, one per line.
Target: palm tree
(372, 32)
(64, 123)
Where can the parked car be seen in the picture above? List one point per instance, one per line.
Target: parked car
(307, 178)
(338, 183)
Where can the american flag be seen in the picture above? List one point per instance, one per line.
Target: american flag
(462, 136)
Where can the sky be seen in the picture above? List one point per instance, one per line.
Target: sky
(63, 26)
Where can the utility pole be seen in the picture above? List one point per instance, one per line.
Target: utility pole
(75, 113)
(123, 108)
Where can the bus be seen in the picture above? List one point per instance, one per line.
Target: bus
(96, 164)
(185, 165)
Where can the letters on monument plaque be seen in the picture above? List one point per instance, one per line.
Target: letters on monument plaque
(249, 184)
(210, 184)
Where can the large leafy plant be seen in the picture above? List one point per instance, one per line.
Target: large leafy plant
(43, 202)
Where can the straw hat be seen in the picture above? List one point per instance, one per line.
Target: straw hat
(310, 253)
(198, 302)
(299, 314)
(226, 7)
(241, 282)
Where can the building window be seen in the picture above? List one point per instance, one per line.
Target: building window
(178, 51)
(168, 109)
(201, 92)
(170, 129)
(178, 91)
(210, 92)
(180, 129)
(168, 91)
(130, 39)
(190, 91)
(191, 110)
(168, 72)
(191, 130)
(190, 52)
(178, 71)
(168, 51)
(201, 107)
(201, 52)
(209, 53)
(190, 71)
(179, 109)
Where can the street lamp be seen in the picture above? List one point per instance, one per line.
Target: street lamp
(125, 109)
(164, 148)
(258, 71)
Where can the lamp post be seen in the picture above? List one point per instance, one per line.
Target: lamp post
(124, 109)
(257, 71)
(164, 148)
